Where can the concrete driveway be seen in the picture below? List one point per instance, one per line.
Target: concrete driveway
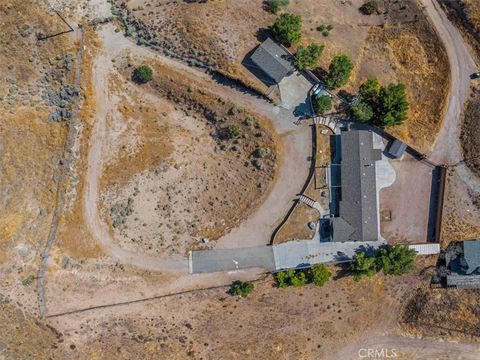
(294, 94)
(204, 261)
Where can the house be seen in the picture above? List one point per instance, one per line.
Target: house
(463, 265)
(273, 60)
(357, 218)
(397, 149)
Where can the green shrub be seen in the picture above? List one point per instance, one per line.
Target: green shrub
(321, 28)
(393, 260)
(322, 104)
(142, 74)
(339, 71)
(287, 28)
(396, 260)
(369, 7)
(361, 111)
(317, 275)
(28, 280)
(325, 33)
(275, 5)
(242, 288)
(307, 57)
(233, 131)
(291, 277)
(363, 265)
(320, 274)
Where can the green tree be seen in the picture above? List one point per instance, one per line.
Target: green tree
(362, 111)
(369, 90)
(142, 74)
(322, 104)
(275, 5)
(396, 260)
(320, 274)
(339, 71)
(307, 57)
(392, 105)
(363, 265)
(291, 277)
(242, 288)
(287, 28)
(370, 7)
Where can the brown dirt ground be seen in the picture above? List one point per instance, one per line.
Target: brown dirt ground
(168, 154)
(31, 146)
(296, 226)
(212, 324)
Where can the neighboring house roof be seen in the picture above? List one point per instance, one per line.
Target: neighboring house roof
(358, 204)
(273, 60)
(397, 149)
(471, 254)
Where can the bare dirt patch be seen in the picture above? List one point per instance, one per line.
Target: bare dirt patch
(183, 164)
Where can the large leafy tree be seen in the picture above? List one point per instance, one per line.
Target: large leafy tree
(287, 28)
(384, 106)
(396, 260)
(339, 71)
(363, 265)
(392, 105)
(307, 57)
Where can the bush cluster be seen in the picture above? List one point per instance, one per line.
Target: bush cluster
(383, 106)
(369, 7)
(274, 5)
(317, 274)
(393, 260)
(142, 74)
(307, 57)
(242, 289)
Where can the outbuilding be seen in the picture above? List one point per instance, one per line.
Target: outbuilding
(397, 149)
(273, 60)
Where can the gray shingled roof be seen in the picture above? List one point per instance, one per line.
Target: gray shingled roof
(471, 254)
(272, 60)
(397, 148)
(358, 204)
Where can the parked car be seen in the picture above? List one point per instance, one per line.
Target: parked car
(475, 75)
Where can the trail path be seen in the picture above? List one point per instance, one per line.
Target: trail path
(257, 229)
(447, 147)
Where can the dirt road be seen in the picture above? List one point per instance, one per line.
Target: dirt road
(107, 106)
(447, 148)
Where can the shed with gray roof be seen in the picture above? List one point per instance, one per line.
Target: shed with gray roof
(397, 149)
(273, 60)
(357, 209)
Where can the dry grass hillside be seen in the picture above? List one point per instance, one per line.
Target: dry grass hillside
(35, 97)
(400, 45)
